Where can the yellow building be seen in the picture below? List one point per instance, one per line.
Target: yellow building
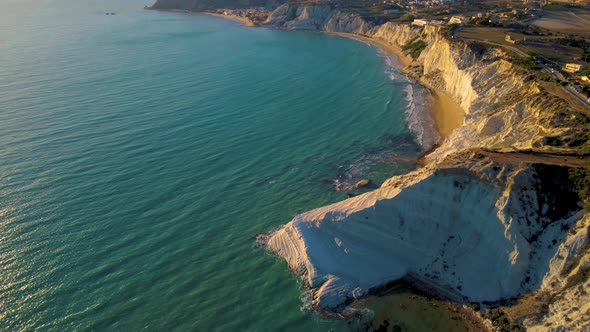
(509, 39)
(572, 67)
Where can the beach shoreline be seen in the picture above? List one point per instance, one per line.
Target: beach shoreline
(247, 22)
(404, 60)
(447, 114)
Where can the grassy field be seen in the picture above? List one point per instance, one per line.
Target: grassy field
(546, 46)
(567, 21)
(556, 90)
(495, 35)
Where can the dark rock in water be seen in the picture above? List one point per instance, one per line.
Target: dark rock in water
(262, 239)
(362, 183)
(405, 144)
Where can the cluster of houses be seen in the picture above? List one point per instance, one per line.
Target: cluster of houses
(491, 17)
(422, 22)
(395, 6)
(415, 6)
(259, 13)
(502, 14)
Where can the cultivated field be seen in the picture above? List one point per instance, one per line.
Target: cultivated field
(567, 21)
(546, 46)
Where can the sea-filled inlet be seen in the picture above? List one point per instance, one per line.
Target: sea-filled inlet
(140, 154)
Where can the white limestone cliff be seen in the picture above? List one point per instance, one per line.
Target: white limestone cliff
(316, 17)
(476, 229)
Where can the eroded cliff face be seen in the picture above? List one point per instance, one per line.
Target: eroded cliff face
(481, 229)
(505, 109)
(317, 17)
(567, 285)
(478, 228)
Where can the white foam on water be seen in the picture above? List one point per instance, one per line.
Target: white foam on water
(419, 120)
(417, 112)
(392, 64)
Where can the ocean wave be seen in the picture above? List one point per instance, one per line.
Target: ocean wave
(419, 120)
(417, 112)
(392, 65)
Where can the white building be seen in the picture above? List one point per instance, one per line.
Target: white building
(420, 22)
(438, 22)
(458, 19)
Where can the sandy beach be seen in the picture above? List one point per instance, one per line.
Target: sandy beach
(447, 114)
(405, 60)
(244, 20)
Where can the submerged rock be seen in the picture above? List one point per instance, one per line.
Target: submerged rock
(362, 183)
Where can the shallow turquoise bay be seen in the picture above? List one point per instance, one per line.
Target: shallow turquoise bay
(141, 153)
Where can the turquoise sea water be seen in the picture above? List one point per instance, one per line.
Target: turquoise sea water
(141, 153)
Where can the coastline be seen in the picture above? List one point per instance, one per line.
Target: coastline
(446, 114)
(247, 22)
(404, 60)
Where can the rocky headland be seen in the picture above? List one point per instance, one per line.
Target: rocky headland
(498, 213)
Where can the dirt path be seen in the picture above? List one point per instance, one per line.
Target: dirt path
(537, 158)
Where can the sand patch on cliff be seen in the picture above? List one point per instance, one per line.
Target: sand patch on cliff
(447, 114)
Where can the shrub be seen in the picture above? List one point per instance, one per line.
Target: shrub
(580, 177)
(415, 48)
(544, 76)
(450, 28)
(528, 63)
